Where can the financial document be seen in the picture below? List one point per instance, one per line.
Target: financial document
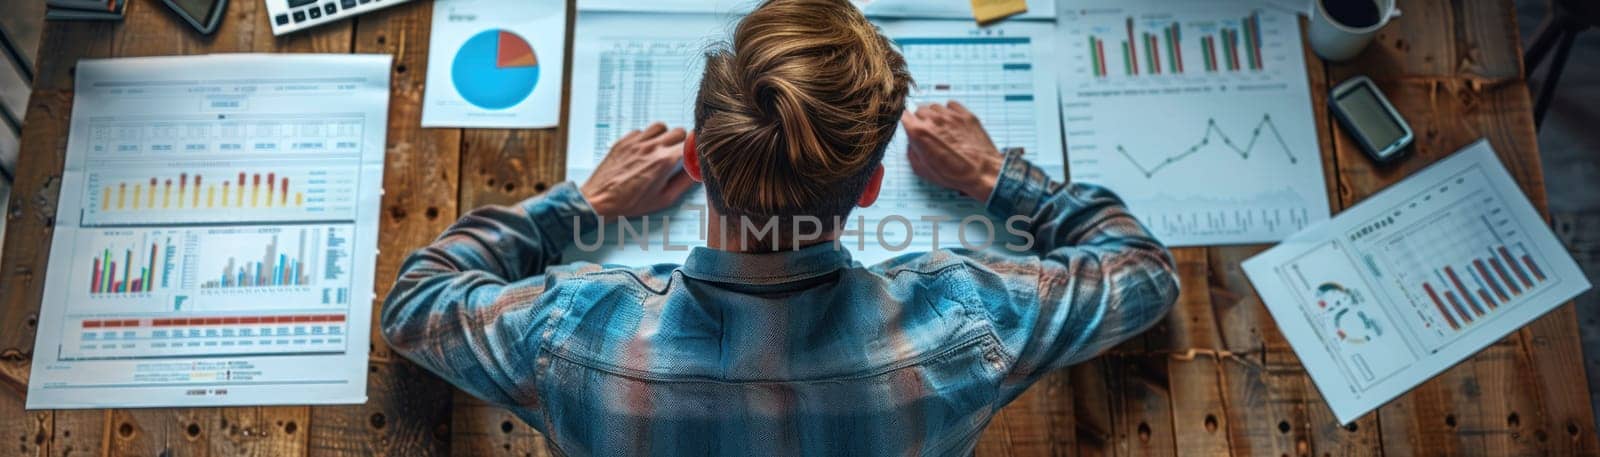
(1414, 280)
(216, 234)
(495, 63)
(1198, 114)
(633, 69)
(900, 9)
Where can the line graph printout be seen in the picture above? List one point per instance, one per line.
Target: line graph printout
(1413, 280)
(217, 233)
(1162, 100)
(632, 69)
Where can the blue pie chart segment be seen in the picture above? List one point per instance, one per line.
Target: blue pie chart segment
(495, 69)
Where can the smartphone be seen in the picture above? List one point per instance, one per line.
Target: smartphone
(203, 15)
(1368, 116)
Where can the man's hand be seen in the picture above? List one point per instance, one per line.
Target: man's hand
(641, 174)
(947, 145)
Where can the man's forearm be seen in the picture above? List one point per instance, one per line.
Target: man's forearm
(1059, 215)
(514, 242)
(445, 309)
(490, 246)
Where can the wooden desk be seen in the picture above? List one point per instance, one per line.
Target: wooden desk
(1217, 378)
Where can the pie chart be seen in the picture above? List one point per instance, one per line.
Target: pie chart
(495, 69)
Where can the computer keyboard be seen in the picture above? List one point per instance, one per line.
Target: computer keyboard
(293, 15)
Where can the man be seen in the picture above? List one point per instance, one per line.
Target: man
(765, 343)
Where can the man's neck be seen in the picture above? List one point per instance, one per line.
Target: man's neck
(724, 234)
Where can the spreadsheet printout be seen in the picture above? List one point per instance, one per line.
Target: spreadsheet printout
(888, 9)
(632, 69)
(1414, 280)
(217, 233)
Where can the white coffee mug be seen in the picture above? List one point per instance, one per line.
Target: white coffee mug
(1336, 41)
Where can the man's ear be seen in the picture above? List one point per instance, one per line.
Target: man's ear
(691, 159)
(874, 184)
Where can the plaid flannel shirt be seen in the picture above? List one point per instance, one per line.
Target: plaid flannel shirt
(796, 352)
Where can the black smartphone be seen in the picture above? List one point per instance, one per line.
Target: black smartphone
(203, 15)
(1368, 116)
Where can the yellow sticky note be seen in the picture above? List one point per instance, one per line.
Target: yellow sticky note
(987, 11)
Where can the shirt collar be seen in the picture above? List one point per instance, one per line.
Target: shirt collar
(707, 264)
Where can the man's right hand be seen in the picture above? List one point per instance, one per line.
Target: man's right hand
(641, 174)
(947, 145)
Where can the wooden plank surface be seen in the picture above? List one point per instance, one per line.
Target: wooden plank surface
(407, 410)
(1215, 378)
(1456, 81)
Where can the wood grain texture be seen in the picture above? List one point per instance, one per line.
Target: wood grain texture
(30, 218)
(22, 433)
(1451, 66)
(1190, 340)
(1035, 424)
(502, 167)
(407, 410)
(479, 428)
(1266, 406)
(1141, 404)
(1457, 81)
(1095, 430)
(79, 432)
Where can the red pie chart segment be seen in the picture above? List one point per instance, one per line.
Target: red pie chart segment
(514, 52)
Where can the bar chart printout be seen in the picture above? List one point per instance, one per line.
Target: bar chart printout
(1228, 81)
(1414, 280)
(208, 243)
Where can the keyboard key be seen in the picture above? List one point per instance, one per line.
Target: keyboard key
(299, 16)
(366, 1)
(315, 12)
(330, 9)
(281, 19)
(347, 4)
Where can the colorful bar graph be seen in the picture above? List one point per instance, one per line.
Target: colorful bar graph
(1482, 289)
(1174, 36)
(274, 269)
(1208, 46)
(1472, 302)
(1504, 278)
(1486, 299)
(1440, 305)
(1096, 63)
(1152, 53)
(1233, 50)
(1131, 50)
(1515, 267)
(110, 277)
(1456, 305)
(1127, 60)
(1488, 278)
(1533, 268)
(1474, 288)
(184, 193)
(1252, 33)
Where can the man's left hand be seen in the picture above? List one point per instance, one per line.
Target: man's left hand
(641, 174)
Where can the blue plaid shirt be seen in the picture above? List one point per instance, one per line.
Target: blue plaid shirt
(797, 352)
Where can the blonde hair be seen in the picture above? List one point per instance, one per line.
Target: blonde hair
(794, 116)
